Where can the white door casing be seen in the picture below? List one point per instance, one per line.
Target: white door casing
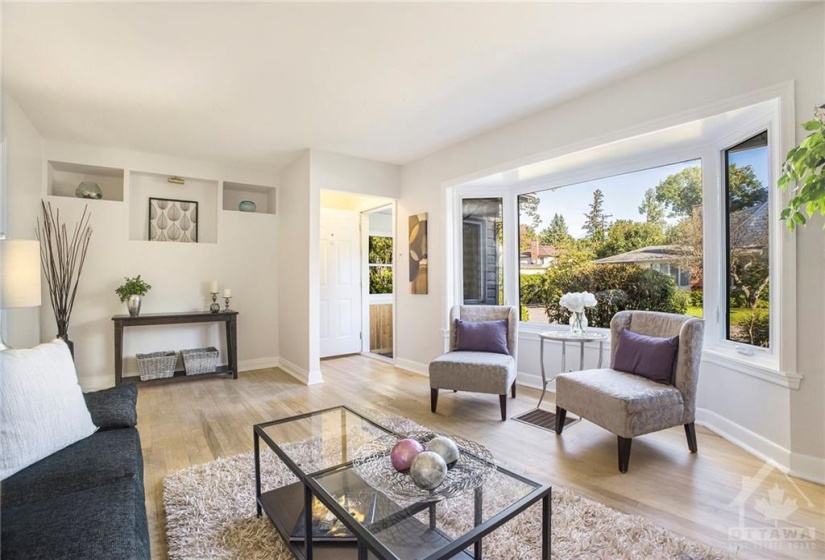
(340, 283)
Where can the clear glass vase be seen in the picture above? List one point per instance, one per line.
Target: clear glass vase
(578, 322)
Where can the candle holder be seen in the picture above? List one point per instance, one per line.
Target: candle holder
(214, 307)
(227, 303)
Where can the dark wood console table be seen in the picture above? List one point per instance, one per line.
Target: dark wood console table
(230, 318)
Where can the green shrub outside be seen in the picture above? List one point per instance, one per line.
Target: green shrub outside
(380, 280)
(616, 287)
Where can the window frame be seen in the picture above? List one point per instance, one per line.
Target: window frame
(781, 253)
(482, 260)
(455, 253)
(777, 115)
(726, 214)
(608, 168)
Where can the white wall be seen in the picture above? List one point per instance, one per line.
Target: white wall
(783, 423)
(355, 175)
(23, 177)
(336, 172)
(242, 258)
(294, 249)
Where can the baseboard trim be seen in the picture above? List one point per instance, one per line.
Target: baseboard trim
(801, 466)
(258, 363)
(412, 367)
(299, 373)
(808, 467)
(532, 380)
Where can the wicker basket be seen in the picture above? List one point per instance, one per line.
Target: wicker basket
(157, 365)
(200, 360)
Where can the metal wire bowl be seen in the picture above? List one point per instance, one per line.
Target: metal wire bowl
(372, 464)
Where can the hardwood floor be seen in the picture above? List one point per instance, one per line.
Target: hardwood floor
(183, 424)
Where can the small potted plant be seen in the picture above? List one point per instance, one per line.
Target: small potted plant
(131, 291)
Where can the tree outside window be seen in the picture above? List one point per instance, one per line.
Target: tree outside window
(380, 264)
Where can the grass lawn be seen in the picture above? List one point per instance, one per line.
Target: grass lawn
(737, 314)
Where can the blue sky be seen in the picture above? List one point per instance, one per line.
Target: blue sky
(624, 193)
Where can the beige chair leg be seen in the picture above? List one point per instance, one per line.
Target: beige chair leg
(513, 390)
(433, 399)
(503, 400)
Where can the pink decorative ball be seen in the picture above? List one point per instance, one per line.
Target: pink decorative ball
(403, 453)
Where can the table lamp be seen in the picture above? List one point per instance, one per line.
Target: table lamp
(19, 275)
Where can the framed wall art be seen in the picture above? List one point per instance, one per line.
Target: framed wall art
(418, 254)
(174, 221)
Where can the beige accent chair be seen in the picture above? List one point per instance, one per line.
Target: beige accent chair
(630, 405)
(479, 372)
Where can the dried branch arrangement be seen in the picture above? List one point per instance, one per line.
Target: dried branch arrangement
(62, 258)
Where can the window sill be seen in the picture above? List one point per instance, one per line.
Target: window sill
(754, 366)
(536, 328)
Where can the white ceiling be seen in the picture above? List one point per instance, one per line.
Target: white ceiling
(253, 83)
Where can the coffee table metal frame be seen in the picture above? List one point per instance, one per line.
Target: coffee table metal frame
(366, 541)
(564, 337)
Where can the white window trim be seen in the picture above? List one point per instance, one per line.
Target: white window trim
(780, 369)
(457, 196)
(777, 364)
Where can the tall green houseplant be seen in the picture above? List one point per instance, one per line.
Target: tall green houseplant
(804, 170)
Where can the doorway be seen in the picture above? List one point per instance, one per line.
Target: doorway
(378, 242)
(339, 274)
(355, 275)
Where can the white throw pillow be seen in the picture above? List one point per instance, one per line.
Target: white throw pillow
(42, 409)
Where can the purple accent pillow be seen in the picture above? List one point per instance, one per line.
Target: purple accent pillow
(648, 356)
(481, 336)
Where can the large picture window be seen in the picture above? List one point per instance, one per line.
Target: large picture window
(634, 240)
(747, 296)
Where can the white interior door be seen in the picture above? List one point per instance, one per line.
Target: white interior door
(340, 279)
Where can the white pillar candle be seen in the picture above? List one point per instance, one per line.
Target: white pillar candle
(227, 292)
(213, 287)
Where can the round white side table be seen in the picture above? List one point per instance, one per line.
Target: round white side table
(564, 337)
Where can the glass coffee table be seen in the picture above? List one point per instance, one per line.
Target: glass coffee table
(331, 512)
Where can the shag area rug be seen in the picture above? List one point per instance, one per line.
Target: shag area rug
(210, 513)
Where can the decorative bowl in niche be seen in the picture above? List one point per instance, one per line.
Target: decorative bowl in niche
(247, 206)
(88, 189)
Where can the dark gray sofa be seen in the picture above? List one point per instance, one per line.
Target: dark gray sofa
(87, 500)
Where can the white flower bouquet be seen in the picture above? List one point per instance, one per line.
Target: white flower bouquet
(577, 301)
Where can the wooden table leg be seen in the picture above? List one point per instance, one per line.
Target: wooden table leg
(232, 344)
(118, 352)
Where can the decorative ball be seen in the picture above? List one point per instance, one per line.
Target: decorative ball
(446, 448)
(428, 470)
(403, 453)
